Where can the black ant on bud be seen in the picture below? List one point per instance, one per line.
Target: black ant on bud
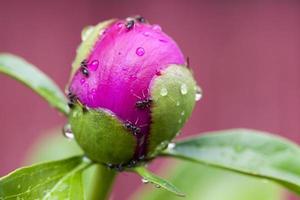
(188, 62)
(140, 19)
(143, 103)
(84, 69)
(130, 24)
(72, 99)
(131, 21)
(133, 128)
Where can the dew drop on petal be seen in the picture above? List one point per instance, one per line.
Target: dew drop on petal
(67, 131)
(183, 89)
(163, 91)
(82, 81)
(198, 95)
(93, 90)
(145, 181)
(156, 27)
(146, 34)
(119, 25)
(94, 65)
(140, 51)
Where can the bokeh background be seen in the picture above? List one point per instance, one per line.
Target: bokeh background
(245, 55)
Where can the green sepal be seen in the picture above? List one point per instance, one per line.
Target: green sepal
(102, 136)
(173, 94)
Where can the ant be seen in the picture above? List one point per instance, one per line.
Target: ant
(130, 24)
(72, 99)
(84, 69)
(131, 21)
(140, 19)
(143, 103)
(133, 127)
(188, 62)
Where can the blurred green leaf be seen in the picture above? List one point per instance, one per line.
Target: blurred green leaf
(157, 181)
(53, 146)
(201, 182)
(245, 151)
(35, 79)
(51, 180)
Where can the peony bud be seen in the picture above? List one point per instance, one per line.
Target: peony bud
(130, 91)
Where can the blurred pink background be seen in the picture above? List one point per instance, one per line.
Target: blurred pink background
(245, 55)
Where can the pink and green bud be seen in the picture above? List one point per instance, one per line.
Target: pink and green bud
(130, 91)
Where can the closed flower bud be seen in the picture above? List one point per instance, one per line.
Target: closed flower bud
(130, 91)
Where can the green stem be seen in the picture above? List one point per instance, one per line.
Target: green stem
(103, 179)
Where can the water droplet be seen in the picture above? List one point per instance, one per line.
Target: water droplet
(67, 131)
(82, 81)
(157, 186)
(182, 113)
(198, 95)
(183, 89)
(171, 145)
(145, 181)
(178, 103)
(119, 25)
(110, 165)
(156, 27)
(86, 85)
(93, 91)
(140, 51)
(86, 159)
(94, 65)
(163, 91)
(86, 32)
(146, 34)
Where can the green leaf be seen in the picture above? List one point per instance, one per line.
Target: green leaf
(201, 182)
(159, 182)
(52, 180)
(245, 151)
(35, 79)
(51, 146)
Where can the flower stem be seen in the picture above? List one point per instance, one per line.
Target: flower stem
(103, 179)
